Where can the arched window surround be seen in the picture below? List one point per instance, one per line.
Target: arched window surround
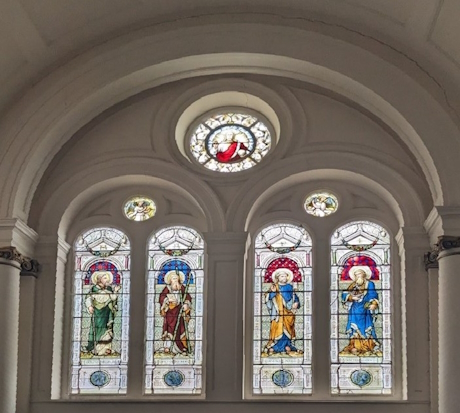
(139, 235)
(321, 231)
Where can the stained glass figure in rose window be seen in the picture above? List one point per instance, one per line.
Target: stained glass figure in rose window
(361, 346)
(230, 142)
(282, 311)
(174, 330)
(100, 312)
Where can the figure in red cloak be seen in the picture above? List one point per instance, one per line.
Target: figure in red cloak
(231, 150)
(175, 305)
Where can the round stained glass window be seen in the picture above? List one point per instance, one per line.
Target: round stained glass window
(139, 208)
(321, 204)
(230, 142)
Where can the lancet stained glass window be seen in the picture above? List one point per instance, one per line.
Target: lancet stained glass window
(361, 333)
(230, 142)
(175, 282)
(282, 349)
(100, 312)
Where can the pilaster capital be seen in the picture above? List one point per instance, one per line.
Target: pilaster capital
(28, 266)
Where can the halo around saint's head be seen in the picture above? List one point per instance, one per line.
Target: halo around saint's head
(364, 268)
(169, 274)
(97, 275)
(279, 271)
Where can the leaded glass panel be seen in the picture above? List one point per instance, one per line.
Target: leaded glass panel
(100, 310)
(230, 142)
(175, 309)
(282, 349)
(361, 333)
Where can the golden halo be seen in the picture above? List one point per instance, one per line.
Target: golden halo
(285, 270)
(100, 274)
(169, 274)
(364, 268)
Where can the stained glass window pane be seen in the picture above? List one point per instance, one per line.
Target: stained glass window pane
(100, 312)
(139, 208)
(175, 311)
(282, 347)
(230, 142)
(321, 204)
(361, 333)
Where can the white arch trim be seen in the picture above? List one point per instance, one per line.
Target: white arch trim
(46, 117)
(387, 183)
(64, 203)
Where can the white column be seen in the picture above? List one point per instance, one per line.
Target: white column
(449, 331)
(11, 264)
(432, 268)
(224, 309)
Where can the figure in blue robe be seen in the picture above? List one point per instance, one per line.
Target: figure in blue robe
(362, 301)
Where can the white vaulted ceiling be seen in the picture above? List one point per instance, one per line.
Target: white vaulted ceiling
(38, 36)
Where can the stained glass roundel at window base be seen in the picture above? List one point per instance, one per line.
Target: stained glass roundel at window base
(230, 142)
(321, 204)
(139, 208)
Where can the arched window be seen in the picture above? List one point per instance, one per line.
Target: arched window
(282, 334)
(175, 282)
(361, 332)
(100, 311)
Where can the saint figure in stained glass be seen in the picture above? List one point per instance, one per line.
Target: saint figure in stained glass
(101, 312)
(361, 333)
(230, 142)
(230, 145)
(175, 307)
(282, 334)
(282, 302)
(101, 303)
(362, 302)
(175, 302)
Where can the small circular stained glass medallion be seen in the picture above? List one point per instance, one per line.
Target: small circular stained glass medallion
(321, 204)
(282, 378)
(174, 378)
(99, 378)
(361, 378)
(139, 208)
(230, 142)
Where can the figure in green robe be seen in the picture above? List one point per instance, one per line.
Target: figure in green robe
(101, 303)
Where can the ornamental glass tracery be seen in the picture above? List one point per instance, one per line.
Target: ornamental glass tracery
(230, 142)
(282, 350)
(361, 333)
(100, 312)
(174, 326)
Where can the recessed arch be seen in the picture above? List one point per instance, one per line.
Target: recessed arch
(59, 208)
(89, 86)
(409, 206)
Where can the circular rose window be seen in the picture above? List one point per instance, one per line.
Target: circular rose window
(230, 142)
(321, 204)
(139, 208)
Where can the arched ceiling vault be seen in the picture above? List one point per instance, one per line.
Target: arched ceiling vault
(48, 115)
